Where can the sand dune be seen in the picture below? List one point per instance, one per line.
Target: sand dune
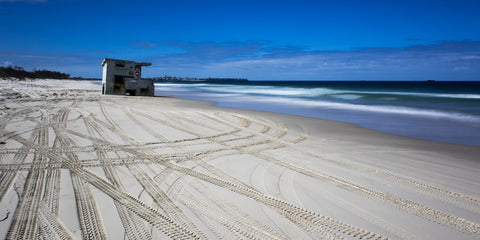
(75, 164)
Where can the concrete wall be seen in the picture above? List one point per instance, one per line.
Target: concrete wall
(122, 77)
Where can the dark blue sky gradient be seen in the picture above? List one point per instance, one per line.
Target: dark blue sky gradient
(264, 40)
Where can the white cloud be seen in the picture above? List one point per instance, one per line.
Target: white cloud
(144, 44)
(263, 61)
(470, 57)
(441, 61)
(6, 64)
(461, 68)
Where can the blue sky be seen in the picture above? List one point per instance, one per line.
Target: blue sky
(258, 40)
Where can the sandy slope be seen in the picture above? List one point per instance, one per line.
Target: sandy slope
(76, 164)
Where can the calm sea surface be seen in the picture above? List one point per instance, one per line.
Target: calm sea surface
(440, 111)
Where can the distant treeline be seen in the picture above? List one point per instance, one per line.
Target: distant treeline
(20, 73)
(188, 79)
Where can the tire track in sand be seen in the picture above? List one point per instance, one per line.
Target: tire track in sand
(160, 197)
(164, 224)
(50, 227)
(89, 217)
(24, 222)
(437, 216)
(134, 226)
(461, 200)
(287, 210)
(417, 209)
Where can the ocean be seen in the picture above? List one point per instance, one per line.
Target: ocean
(439, 110)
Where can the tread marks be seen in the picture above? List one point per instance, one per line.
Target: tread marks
(433, 215)
(262, 135)
(24, 222)
(90, 221)
(7, 177)
(92, 228)
(171, 210)
(52, 184)
(50, 227)
(233, 211)
(166, 225)
(235, 226)
(177, 126)
(163, 201)
(151, 187)
(318, 225)
(323, 233)
(459, 199)
(52, 189)
(436, 216)
(427, 213)
(134, 227)
(293, 215)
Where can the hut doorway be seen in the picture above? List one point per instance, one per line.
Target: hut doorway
(118, 84)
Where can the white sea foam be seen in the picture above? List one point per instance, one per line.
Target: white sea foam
(385, 109)
(347, 96)
(180, 85)
(421, 94)
(308, 97)
(306, 92)
(253, 90)
(457, 120)
(381, 109)
(272, 91)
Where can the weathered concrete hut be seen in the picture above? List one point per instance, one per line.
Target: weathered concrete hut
(122, 77)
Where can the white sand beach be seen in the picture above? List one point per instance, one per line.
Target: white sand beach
(75, 164)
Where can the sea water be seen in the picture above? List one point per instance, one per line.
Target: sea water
(439, 111)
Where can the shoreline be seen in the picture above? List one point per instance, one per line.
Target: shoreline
(444, 125)
(214, 172)
(349, 124)
(359, 130)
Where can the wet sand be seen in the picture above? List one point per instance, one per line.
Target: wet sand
(76, 164)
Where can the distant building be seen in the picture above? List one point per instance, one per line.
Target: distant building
(122, 77)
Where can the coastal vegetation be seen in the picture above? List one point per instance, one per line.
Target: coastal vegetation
(21, 74)
(17, 72)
